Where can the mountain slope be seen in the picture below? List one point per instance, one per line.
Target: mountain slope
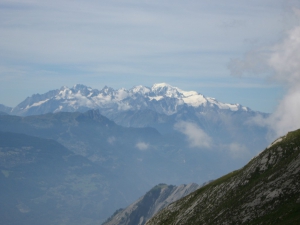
(42, 182)
(5, 109)
(76, 130)
(265, 191)
(152, 202)
(122, 151)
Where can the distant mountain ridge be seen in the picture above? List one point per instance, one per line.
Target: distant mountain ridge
(42, 182)
(148, 205)
(5, 109)
(161, 98)
(168, 109)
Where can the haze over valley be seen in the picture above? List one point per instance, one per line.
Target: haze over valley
(124, 143)
(139, 112)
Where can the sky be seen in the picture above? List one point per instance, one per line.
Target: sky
(221, 49)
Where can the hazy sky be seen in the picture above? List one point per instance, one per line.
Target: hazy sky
(195, 45)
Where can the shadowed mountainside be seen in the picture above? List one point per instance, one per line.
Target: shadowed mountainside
(42, 182)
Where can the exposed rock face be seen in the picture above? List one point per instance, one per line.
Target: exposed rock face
(156, 199)
(265, 191)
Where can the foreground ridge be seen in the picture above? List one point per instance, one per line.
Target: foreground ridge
(265, 191)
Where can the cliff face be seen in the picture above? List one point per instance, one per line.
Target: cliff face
(152, 202)
(265, 191)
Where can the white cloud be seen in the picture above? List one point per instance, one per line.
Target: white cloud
(285, 58)
(196, 136)
(142, 146)
(122, 31)
(287, 115)
(282, 62)
(111, 140)
(237, 151)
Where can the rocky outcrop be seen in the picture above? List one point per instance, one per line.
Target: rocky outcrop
(265, 191)
(152, 202)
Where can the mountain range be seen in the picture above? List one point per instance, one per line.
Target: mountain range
(160, 98)
(203, 121)
(137, 138)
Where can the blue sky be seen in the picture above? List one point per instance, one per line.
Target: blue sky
(193, 45)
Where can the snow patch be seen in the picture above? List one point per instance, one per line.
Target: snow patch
(195, 100)
(121, 94)
(58, 109)
(140, 89)
(36, 104)
(157, 98)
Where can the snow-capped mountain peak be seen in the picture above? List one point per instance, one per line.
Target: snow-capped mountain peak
(166, 90)
(191, 98)
(140, 89)
(161, 98)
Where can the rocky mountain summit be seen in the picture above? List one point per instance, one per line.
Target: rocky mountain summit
(148, 205)
(265, 191)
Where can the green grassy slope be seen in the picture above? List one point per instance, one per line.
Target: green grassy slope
(265, 191)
